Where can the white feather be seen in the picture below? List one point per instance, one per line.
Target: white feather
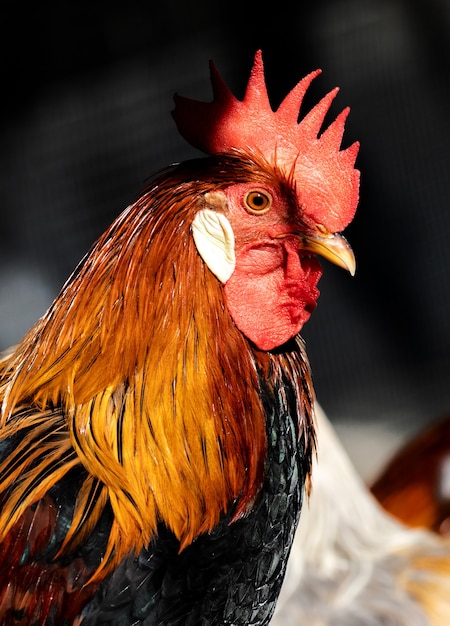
(214, 239)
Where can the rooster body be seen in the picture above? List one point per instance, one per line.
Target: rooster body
(231, 575)
(157, 423)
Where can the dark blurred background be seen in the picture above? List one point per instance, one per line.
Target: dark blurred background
(86, 99)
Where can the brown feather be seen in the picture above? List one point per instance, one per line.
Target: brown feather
(36, 589)
(414, 485)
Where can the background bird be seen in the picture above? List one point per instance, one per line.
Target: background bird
(157, 421)
(352, 562)
(415, 484)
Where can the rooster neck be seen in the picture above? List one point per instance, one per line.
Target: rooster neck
(162, 397)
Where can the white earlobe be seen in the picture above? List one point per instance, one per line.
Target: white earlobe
(214, 239)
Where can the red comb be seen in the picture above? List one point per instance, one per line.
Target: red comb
(326, 182)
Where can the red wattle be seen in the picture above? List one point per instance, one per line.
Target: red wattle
(272, 291)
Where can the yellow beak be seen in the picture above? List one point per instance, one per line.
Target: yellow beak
(334, 248)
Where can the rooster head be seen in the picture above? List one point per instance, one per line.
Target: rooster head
(262, 241)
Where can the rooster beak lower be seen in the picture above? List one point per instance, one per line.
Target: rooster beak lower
(332, 247)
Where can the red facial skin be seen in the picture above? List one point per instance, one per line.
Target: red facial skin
(273, 289)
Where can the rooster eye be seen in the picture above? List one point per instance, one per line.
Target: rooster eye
(257, 201)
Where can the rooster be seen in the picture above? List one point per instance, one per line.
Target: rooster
(157, 423)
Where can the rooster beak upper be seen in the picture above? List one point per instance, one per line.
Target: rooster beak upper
(333, 247)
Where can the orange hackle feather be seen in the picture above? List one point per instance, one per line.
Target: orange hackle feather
(139, 369)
